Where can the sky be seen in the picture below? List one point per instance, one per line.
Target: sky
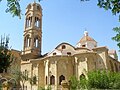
(63, 21)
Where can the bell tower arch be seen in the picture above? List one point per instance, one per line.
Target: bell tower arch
(32, 31)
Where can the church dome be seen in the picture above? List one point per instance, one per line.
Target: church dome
(86, 41)
(86, 38)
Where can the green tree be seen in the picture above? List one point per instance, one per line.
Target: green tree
(114, 7)
(101, 80)
(13, 7)
(73, 83)
(6, 57)
(117, 36)
(42, 88)
(20, 76)
(96, 80)
(83, 83)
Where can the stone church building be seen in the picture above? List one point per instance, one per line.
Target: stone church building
(65, 60)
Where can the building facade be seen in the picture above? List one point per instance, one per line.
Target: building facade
(65, 60)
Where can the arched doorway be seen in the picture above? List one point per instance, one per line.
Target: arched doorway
(52, 80)
(61, 78)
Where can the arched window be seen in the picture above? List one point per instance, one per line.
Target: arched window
(37, 22)
(116, 68)
(38, 7)
(69, 53)
(36, 42)
(83, 45)
(27, 41)
(46, 80)
(61, 78)
(28, 21)
(52, 80)
(63, 46)
(26, 74)
(54, 53)
(111, 65)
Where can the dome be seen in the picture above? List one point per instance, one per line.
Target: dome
(87, 42)
(86, 38)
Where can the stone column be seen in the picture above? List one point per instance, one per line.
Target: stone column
(86, 64)
(76, 67)
(47, 72)
(56, 82)
(37, 71)
(33, 22)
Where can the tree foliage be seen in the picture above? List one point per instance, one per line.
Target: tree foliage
(99, 80)
(117, 36)
(43, 88)
(20, 76)
(73, 83)
(13, 7)
(114, 7)
(104, 80)
(6, 57)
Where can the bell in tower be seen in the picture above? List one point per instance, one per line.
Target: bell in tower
(32, 31)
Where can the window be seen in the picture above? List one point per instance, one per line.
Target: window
(52, 80)
(36, 42)
(38, 7)
(83, 45)
(68, 53)
(37, 22)
(25, 73)
(28, 21)
(46, 80)
(61, 78)
(27, 41)
(54, 53)
(63, 46)
(34, 79)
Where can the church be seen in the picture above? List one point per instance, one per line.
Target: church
(65, 60)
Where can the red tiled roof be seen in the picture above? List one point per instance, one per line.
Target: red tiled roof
(86, 38)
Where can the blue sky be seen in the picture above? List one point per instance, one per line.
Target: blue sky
(63, 21)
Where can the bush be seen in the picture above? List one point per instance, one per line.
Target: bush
(103, 80)
(97, 80)
(73, 83)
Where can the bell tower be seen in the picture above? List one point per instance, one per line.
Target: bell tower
(32, 31)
